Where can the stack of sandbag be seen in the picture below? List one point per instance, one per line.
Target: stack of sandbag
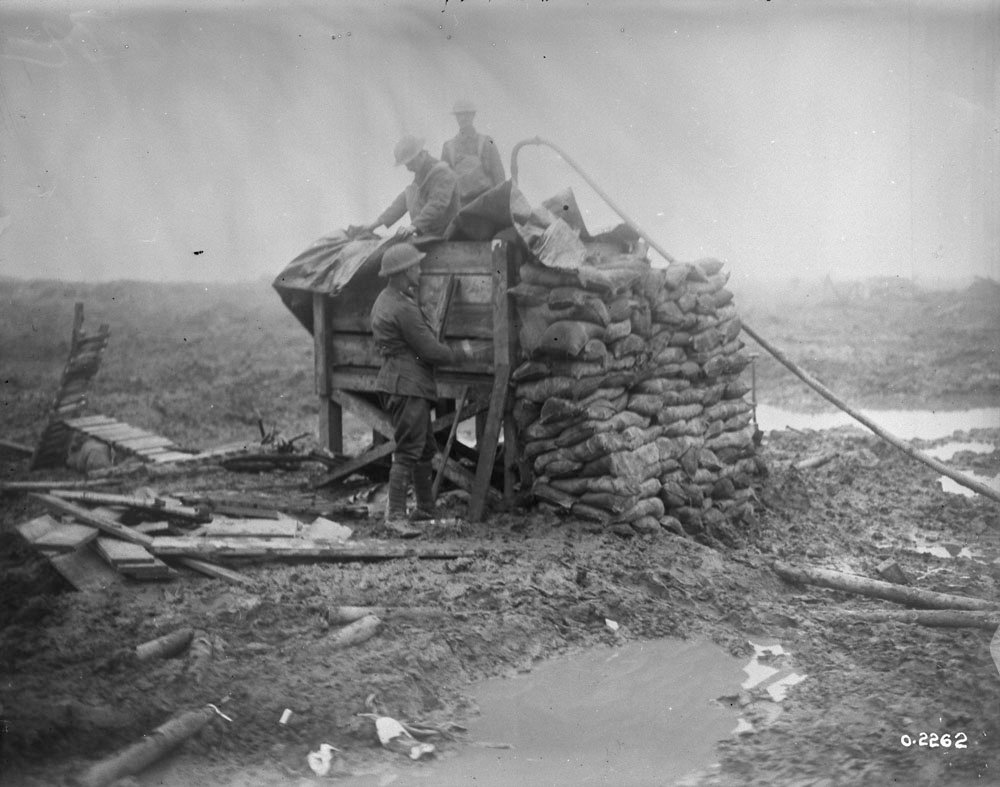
(628, 402)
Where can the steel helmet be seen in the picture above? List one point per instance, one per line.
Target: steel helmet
(399, 258)
(407, 149)
(463, 105)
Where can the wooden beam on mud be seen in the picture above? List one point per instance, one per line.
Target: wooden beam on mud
(909, 450)
(851, 583)
(93, 519)
(300, 548)
(941, 618)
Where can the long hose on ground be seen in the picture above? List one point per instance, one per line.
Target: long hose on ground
(822, 390)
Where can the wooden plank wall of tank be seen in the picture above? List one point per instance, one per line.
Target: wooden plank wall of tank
(353, 361)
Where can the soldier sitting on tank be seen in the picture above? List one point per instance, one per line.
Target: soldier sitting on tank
(431, 199)
(406, 385)
(473, 156)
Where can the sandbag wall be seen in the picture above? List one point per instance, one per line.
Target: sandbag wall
(629, 401)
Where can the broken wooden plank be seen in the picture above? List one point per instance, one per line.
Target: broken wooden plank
(102, 523)
(155, 505)
(215, 571)
(323, 529)
(16, 448)
(84, 570)
(277, 549)
(42, 486)
(252, 528)
(146, 571)
(152, 528)
(44, 532)
(117, 552)
(89, 420)
(851, 583)
(36, 528)
(169, 456)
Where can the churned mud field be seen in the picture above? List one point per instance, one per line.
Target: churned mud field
(202, 365)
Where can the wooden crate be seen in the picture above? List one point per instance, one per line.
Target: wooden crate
(347, 362)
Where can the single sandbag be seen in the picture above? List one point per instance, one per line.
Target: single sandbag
(642, 463)
(531, 370)
(650, 506)
(547, 388)
(566, 338)
(583, 511)
(594, 350)
(690, 428)
(528, 294)
(613, 504)
(621, 308)
(662, 385)
(577, 369)
(617, 330)
(727, 408)
(709, 265)
(629, 345)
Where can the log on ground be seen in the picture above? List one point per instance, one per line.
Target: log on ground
(851, 583)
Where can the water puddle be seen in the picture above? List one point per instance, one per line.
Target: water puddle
(943, 550)
(905, 424)
(775, 680)
(644, 713)
(955, 488)
(947, 451)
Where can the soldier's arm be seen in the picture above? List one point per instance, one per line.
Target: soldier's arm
(421, 338)
(392, 214)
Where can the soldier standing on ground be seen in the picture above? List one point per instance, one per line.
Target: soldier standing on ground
(473, 156)
(431, 199)
(406, 384)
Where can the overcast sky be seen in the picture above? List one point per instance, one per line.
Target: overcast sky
(850, 138)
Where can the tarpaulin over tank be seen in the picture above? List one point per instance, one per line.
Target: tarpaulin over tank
(346, 262)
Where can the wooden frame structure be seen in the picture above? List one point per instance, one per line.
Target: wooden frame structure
(476, 275)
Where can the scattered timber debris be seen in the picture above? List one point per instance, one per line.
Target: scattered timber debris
(152, 747)
(81, 366)
(851, 583)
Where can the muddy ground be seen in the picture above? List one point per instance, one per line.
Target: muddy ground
(201, 365)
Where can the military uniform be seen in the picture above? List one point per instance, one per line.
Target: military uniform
(476, 162)
(431, 200)
(409, 351)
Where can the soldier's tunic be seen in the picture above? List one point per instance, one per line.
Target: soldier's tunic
(409, 351)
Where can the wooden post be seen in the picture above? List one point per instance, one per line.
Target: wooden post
(331, 422)
(501, 374)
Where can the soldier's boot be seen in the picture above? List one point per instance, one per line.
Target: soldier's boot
(423, 488)
(395, 510)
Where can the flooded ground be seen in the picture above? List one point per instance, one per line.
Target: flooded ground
(905, 424)
(643, 713)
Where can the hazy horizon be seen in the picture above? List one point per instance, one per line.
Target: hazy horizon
(852, 139)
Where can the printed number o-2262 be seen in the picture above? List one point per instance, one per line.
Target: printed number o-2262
(934, 741)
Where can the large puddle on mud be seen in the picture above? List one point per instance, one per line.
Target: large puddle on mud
(905, 424)
(644, 713)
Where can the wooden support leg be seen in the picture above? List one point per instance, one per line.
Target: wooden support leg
(488, 448)
(331, 425)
